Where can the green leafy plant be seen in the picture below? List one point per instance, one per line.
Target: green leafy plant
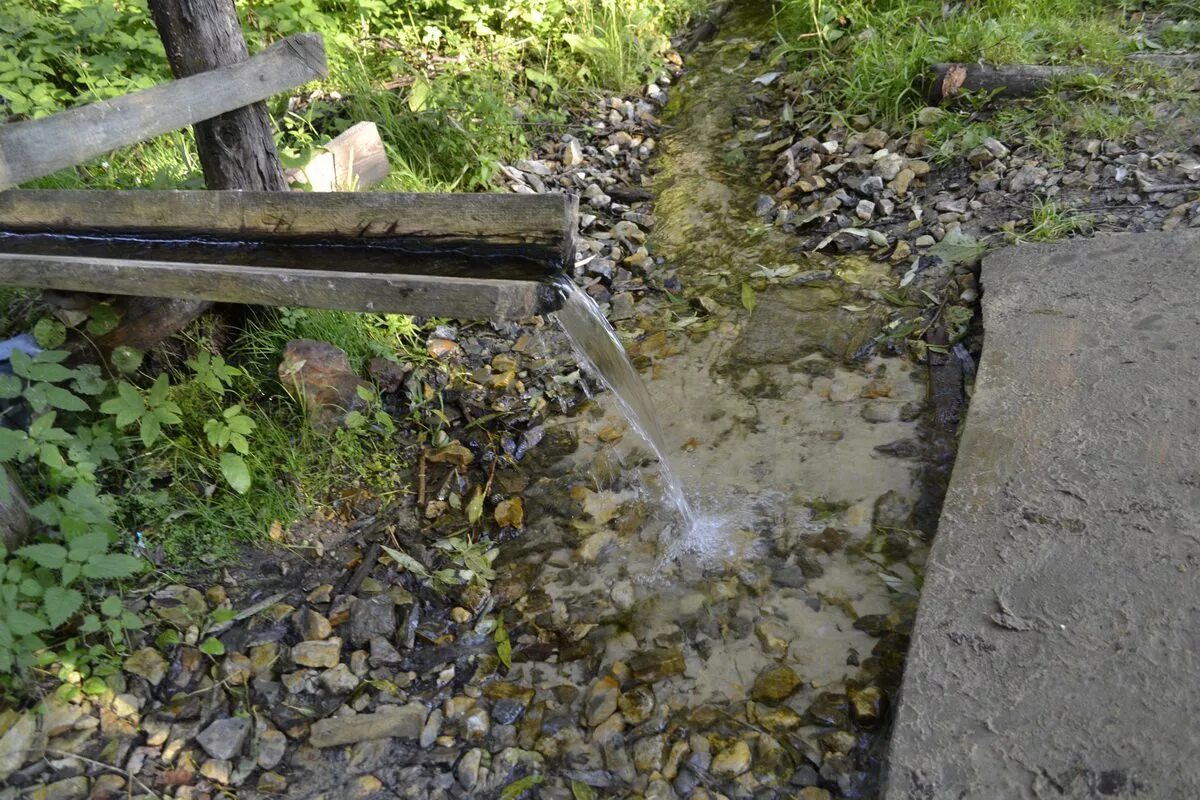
(151, 410)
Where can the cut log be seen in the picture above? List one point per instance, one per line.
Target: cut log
(450, 296)
(39, 147)
(534, 228)
(15, 522)
(946, 81)
(352, 162)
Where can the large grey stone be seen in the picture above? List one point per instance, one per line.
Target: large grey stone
(370, 617)
(1056, 650)
(404, 722)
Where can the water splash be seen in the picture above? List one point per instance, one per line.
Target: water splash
(596, 345)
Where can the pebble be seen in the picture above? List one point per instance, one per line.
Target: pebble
(223, 739)
(322, 654)
(601, 700)
(732, 761)
(925, 240)
(339, 680)
(270, 747)
(431, 730)
(775, 683)
(371, 617)
(404, 722)
(272, 783)
(147, 663)
(313, 625)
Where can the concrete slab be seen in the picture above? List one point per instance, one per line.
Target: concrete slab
(1056, 651)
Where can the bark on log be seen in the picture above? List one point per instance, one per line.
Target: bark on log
(236, 149)
(352, 162)
(15, 523)
(946, 81)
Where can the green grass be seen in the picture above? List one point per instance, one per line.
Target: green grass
(456, 87)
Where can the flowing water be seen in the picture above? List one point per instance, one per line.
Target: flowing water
(597, 346)
(800, 452)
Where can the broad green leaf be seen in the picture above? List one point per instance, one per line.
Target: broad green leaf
(31, 588)
(111, 606)
(112, 565)
(581, 791)
(61, 604)
(6, 637)
(150, 429)
(89, 379)
(126, 359)
(104, 320)
(88, 545)
(234, 468)
(22, 623)
(158, 392)
(168, 413)
(21, 362)
(90, 624)
(212, 647)
(70, 572)
(52, 457)
(50, 333)
(59, 397)
(43, 423)
(131, 621)
(503, 645)
(10, 387)
(10, 443)
(46, 554)
(51, 373)
(94, 686)
(52, 356)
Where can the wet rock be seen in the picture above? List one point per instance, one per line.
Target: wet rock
(813, 793)
(773, 637)
(475, 725)
(320, 374)
(467, 769)
(272, 783)
(75, 788)
(323, 654)
(637, 704)
(17, 743)
(179, 605)
(339, 680)
(270, 747)
(651, 666)
(601, 701)
(223, 739)
(828, 709)
(837, 743)
(404, 722)
(732, 760)
(866, 705)
(263, 658)
(147, 663)
(371, 617)
(889, 166)
(507, 710)
(383, 654)
(217, 770)
(1027, 177)
(431, 729)
(892, 510)
(775, 683)
(314, 626)
(108, 787)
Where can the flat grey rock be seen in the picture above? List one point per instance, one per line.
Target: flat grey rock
(1057, 646)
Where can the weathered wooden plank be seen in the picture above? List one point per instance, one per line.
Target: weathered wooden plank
(351, 162)
(461, 298)
(539, 226)
(39, 147)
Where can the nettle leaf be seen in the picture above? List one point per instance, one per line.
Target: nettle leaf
(46, 554)
(111, 606)
(61, 604)
(10, 387)
(88, 545)
(22, 623)
(51, 356)
(11, 442)
(52, 457)
(70, 572)
(234, 468)
(158, 392)
(111, 566)
(20, 361)
(30, 587)
(90, 624)
(43, 423)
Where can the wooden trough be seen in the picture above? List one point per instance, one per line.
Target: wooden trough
(469, 256)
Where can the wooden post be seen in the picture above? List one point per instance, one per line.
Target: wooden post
(237, 149)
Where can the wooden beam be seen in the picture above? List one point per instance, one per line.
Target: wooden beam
(461, 298)
(39, 147)
(538, 227)
(946, 81)
(351, 162)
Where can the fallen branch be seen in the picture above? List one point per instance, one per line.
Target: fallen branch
(947, 81)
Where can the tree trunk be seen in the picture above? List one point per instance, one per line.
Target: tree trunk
(14, 513)
(237, 149)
